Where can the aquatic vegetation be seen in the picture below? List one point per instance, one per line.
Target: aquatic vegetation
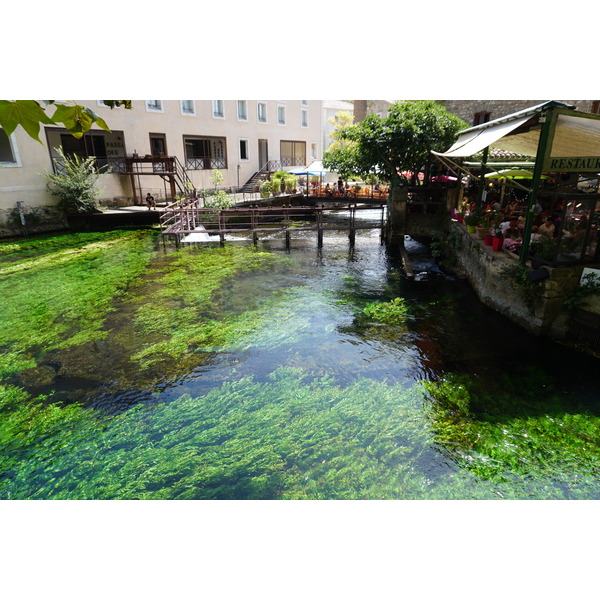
(515, 436)
(329, 407)
(393, 312)
(293, 436)
(58, 297)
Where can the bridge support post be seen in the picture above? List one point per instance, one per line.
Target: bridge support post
(287, 239)
(352, 233)
(397, 214)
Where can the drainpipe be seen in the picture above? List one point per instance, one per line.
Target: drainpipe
(546, 120)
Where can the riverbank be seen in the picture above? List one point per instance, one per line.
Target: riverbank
(538, 304)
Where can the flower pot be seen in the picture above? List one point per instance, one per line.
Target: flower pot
(487, 240)
(497, 243)
(460, 218)
(471, 228)
(480, 231)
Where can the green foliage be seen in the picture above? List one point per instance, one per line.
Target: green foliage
(393, 312)
(544, 247)
(589, 286)
(290, 181)
(51, 283)
(445, 246)
(291, 436)
(341, 121)
(75, 183)
(402, 141)
(290, 433)
(30, 113)
(220, 199)
(265, 188)
(216, 178)
(528, 291)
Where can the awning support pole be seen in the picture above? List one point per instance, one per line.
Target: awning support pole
(546, 120)
(482, 175)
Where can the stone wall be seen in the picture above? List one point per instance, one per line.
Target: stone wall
(39, 219)
(486, 272)
(466, 109)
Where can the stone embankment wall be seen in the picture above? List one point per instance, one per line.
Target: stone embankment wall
(539, 308)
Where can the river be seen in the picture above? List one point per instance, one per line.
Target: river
(334, 376)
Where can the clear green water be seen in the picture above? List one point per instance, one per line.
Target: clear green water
(234, 373)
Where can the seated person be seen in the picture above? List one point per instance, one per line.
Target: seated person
(547, 228)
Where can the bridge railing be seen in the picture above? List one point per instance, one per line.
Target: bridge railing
(182, 218)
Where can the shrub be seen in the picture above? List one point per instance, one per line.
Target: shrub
(75, 183)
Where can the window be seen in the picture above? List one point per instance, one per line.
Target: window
(205, 152)
(242, 108)
(262, 112)
(158, 144)
(304, 102)
(304, 117)
(154, 105)
(187, 107)
(281, 115)
(107, 147)
(481, 117)
(244, 150)
(217, 108)
(313, 151)
(8, 151)
(292, 154)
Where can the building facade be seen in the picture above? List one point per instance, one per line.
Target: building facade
(237, 137)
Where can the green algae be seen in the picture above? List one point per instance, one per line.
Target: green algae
(58, 297)
(124, 310)
(293, 437)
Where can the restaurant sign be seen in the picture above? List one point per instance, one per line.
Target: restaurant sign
(572, 164)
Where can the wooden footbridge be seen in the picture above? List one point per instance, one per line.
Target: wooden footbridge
(182, 219)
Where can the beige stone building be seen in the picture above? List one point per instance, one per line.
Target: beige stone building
(237, 137)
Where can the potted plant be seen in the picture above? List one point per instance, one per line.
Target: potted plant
(542, 250)
(471, 221)
(497, 240)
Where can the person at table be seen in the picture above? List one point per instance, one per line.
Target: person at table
(547, 227)
(328, 191)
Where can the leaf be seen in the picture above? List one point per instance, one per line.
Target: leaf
(74, 118)
(27, 113)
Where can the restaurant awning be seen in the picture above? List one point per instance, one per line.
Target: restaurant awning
(474, 140)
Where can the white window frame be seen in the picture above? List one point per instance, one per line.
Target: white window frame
(15, 152)
(240, 140)
(279, 107)
(215, 106)
(304, 102)
(304, 117)
(258, 104)
(151, 108)
(245, 104)
(187, 113)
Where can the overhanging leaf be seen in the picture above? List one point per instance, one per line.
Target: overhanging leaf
(27, 113)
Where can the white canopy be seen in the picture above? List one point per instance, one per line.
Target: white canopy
(472, 141)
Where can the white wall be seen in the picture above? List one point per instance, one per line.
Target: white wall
(26, 183)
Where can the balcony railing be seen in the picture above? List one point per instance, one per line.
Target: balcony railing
(200, 163)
